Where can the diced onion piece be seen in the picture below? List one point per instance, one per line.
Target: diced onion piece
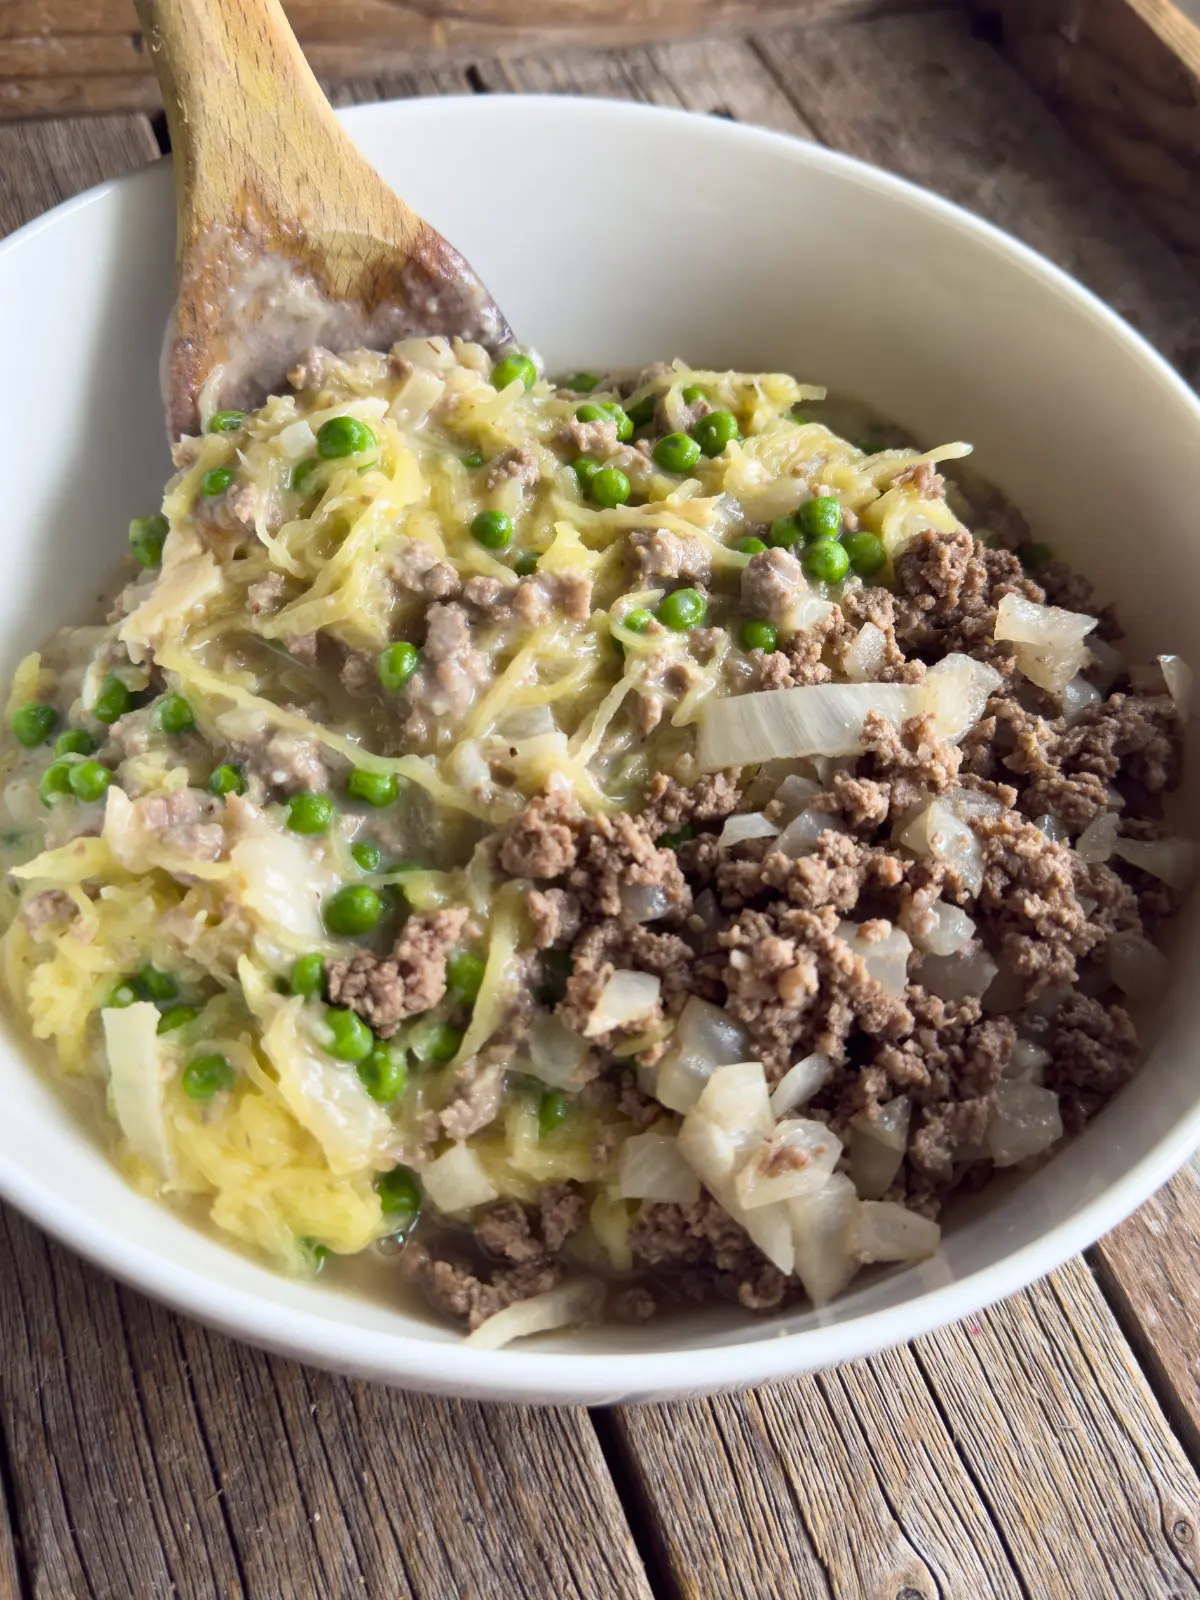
(877, 1146)
(706, 1037)
(1178, 677)
(555, 1053)
(416, 398)
(1096, 841)
(936, 831)
(1028, 1061)
(644, 902)
(1052, 828)
(1135, 966)
(650, 1167)
(627, 998)
(1107, 664)
(297, 439)
(863, 657)
(805, 829)
(799, 1083)
(885, 1231)
(1078, 696)
(793, 795)
(137, 1081)
(822, 1225)
(530, 722)
(886, 959)
(456, 1181)
(957, 977)
(1049, 641)
(577, 1301)
(795, 1159)
(946, 931)
(1171, 860)
(1025, 1120)
(736, 1099)
(714, 1155)
(955, 691)
(781, 724)
(967, 804)
(745, 825)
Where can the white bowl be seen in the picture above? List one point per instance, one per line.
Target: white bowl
(615, 234)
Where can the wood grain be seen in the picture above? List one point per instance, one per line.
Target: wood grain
(61, 57)
(1147, 1267)
(41, 166)
(1124, 77)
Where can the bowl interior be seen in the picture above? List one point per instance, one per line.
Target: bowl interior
(940, 323)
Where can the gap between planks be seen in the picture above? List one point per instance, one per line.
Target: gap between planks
(914, 1498)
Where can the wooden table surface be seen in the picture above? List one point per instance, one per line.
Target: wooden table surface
(1046, 1448)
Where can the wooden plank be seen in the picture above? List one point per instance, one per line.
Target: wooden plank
(1124, 76)
(44, 164)
(1059, 1429)
(1147, 1268)
(924, 97)
(60, 57)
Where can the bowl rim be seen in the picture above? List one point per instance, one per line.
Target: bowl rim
(529, 1374)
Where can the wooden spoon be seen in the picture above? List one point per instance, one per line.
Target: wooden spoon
(287, 237)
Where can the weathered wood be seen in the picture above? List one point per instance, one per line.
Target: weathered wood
(1124, 76)
(1147, 1267)
(60, 57)
(924, 97)
(39, 166)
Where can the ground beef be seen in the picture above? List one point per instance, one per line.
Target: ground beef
(837, 872)
(616, 852)
(359, 671)
(925, 479)
(49, 907)
(877, 606)
(516, 1233)
(555, 915)
(671, 1237)
(179, 821)
(948, 587)
(478, 1096)
(540, 842)
(863, 802)
(266, 595)
(669, 805)
(416, 567)
(609, 946)
(483, 592)
(1135, 738)
(632, 1303)
(912, 760)
(1094, 1051)
(457, 1293)
(286, 761)
(589, 438)
(386, 990)
(520, 464)
(660, 556)
(772, 582)
(452, 671)
(1028, 905)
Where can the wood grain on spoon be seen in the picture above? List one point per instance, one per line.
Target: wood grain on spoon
(287, 237)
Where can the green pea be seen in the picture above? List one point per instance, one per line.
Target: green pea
(205, 1076)
(637, 620)
(309, 813)
(1033, 555)
(396, 665)
(398, 1190)
(147, 535)
(585, 469)
(113, 701)
(158, 986)
(384, 1072)
(759, 635)
(784, 534)
(866, 553)
(226, 780)
(642, 411)
(609, 487)
(55, 781)
(464, 976)
(375, 788)
(552, 1112)
(675, 452)
(616, 413)
(440, 1043)
(175, 714)
(797, 414)
(225, 421)
(344, 436)
(713, 432)
(176, 1017)
(525, 563)
(315, 1253)
(301, 473)
(750, 546)
(307, 976)
(368, 856)
(347, 1037)
(123, 995)
(493, 530)
(216, 480)
(75, 742)
(672, 841)
(33, 724)
(581, 382)
(826, 560)
(352, 911)
(472, 461)
(691, 393)
(514, 369)
(820, 517)
(682, 609)
(88, 780)
(870, 447)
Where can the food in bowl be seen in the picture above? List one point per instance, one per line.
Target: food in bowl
(595, 845)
